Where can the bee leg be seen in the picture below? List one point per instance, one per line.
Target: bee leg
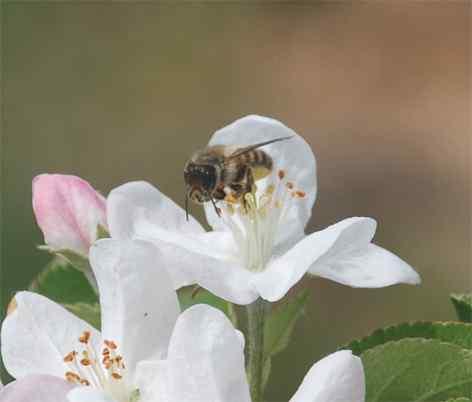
(251, 183)
(248, 187)
(217, 210)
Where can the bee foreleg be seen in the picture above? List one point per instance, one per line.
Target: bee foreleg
(217, 210)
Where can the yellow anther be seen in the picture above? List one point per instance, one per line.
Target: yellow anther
(72, 377)
(85, 362)
(111, 345)
(85, 337)
(70, 357)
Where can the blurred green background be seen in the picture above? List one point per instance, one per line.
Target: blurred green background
(120, 91)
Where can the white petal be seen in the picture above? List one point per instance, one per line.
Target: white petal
(87, 394)
(206, 359)
(345, 237)
(294, 156)
(369, 267)
(338, 377)
(223, 278)
(36, 388)
(138, 302)
(38, 334)
(152, 381)
(135, 203)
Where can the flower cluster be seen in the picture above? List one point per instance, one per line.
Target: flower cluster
(147, 349)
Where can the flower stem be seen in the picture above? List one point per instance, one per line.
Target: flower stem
(255, 365)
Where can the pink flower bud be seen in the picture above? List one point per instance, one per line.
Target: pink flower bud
(68, 211)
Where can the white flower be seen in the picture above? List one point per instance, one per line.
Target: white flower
(209, 367)
(139, 308)
(262, 252)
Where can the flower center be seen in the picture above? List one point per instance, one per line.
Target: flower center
(105, 371)
(255, 221)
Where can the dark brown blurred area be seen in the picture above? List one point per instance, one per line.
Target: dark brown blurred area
(115, 92)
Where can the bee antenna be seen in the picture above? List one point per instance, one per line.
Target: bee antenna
(255, 146)
(186, 205)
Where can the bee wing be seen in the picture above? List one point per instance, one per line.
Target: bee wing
(241, 151)
(221, 150)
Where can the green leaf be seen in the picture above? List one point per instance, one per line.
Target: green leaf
(66, 285)
(463, 306)
(266, 372)
(459, 400)
(88, 312)
(63, 283)
(190, 295)
(452, 332)
(280, 323)
(278, 328)
(78, 261)
(417, 370)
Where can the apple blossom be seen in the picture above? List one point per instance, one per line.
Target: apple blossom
(138, 308)
(261, 250)
(209, 367)
(69, 212)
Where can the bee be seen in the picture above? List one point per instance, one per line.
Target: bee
(228, 173)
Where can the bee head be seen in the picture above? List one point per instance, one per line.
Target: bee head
(200, 181)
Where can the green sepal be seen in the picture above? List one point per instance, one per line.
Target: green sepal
(102, 232)
(463, 305)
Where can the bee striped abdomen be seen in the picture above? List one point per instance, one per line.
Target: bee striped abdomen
(260, 163)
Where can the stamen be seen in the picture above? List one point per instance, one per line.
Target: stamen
(110, 344)
(70, 357)
(72, 377)
(256, 218)
(106, 373)
(85, 337)
(85, 362)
